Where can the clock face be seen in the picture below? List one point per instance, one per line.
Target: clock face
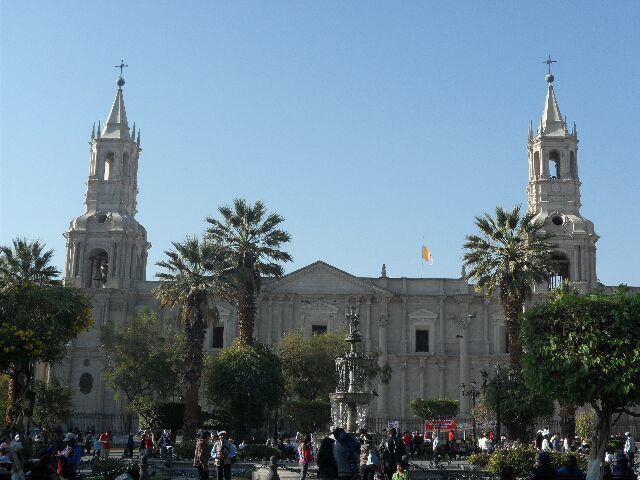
(557, 220)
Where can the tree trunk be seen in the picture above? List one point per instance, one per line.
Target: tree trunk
(512, 308)
(515, 347)
(20, 397)
(567, 420)
(599, 444)
(246, 316)
(195, 330)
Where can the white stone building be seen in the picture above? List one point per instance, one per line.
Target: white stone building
(420, 326)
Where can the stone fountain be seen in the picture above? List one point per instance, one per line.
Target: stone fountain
(350, 402)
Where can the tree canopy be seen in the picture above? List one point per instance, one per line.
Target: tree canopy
(36, 323)
(251, 239)
(244, 384)
(308, 363)
(586, 349)
(509, 256)
(434, 409)
(145, 363)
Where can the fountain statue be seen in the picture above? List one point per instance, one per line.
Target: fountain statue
(350, 401)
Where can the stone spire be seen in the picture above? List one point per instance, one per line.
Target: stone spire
(117, 126)
(552, 122)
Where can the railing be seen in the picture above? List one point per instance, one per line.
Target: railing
(119, 424)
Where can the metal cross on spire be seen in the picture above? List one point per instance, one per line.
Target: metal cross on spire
(548, 61)
(121, 66)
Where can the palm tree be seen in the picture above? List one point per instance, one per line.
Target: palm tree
(252, 240)
(510, 256)
(26, 261)
(195, 273)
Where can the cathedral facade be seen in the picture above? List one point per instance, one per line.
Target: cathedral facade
(435, 333)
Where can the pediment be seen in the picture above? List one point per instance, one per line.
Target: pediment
(320, 278)
(423, 313)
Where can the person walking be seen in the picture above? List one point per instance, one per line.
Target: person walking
(221, 454)
(629, 448)
(201, 456)
(106, 439)
(394, 452)
(304, 456)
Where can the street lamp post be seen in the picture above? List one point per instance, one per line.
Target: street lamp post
(473, 393)
(500, 385)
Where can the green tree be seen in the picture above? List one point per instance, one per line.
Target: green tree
(26, 261)
(53, 403)
(509, 256)
(36, 322)
(585, 349)
(309, 369)
(308, 363)
(514, 404)
(195, 273)
(244, 384)
(251, 239)
(145, 362)
(434, 410)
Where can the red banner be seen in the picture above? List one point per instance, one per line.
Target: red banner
(444, 425)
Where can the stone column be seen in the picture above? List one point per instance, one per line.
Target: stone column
(292, 320)
(269, 335)
(463, 324)
(403, 327)
(369, 336)
(423, 377)
(441, 371)
(403, 389)
(575, 272)
(440, 349)
(383, 359)
(485, 326)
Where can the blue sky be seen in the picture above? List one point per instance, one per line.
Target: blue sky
(369, 126)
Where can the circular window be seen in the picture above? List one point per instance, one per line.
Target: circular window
(86, 383)
(86, 362)
(102, 218)
(557, 220)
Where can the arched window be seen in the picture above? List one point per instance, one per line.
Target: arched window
(108, 166)
(554, 165)
(98, 269)
(573, 166)
(125, 164)
(560, 266)
(536, 165)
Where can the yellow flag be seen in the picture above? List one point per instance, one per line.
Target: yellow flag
(426, 255)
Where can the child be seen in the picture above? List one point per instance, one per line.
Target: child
(400, 474)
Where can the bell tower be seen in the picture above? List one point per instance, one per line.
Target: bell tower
(106, 246)
(554, 194)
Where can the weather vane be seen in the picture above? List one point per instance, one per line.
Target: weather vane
(121, 66)
(548, 61)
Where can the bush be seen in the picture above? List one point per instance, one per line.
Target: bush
(110, 468)
(256, 452)
(479, 459)
(524, 459)
(186, 449)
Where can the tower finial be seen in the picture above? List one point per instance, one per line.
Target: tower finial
(549, 78)
(383, 272)
(93, 131)
(98, 131)
(120, 81)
